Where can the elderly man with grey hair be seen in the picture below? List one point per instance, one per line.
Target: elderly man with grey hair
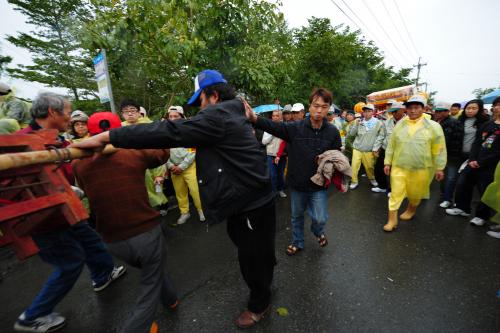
(66, 248)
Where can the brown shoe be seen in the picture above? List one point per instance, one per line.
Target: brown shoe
(248, 319)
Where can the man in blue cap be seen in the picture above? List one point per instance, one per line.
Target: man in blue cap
(232, 174)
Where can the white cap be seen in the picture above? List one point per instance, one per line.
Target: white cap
(416, 99)
(442, 106)
(369, 107)
(396, 106)
(298, 107)
(176, 108)
(4, 89)
(78, 115)
(391, 101)
(143, 112)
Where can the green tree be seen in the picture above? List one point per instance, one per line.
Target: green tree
(58, 59)
(4, 61)
(155, 48)
(480, 92)
(340, 60)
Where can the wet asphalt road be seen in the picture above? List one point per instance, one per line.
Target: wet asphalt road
(434, 274)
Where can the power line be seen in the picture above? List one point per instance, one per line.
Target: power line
(397, 30)
(375, 37)
(406, 28)
(392, 56)
(385, 32)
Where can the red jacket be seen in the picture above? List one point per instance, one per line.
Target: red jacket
(56, 221)
(65, 167)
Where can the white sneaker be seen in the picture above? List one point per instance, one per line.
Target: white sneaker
(353, 186)
(49, 323)
(282, 194)
(183, 218)
(456, 211)
(378, 190)
(114, 275)
(374, 182)
(202, 216)
(445, 204)
(477, 221)
(494, 234)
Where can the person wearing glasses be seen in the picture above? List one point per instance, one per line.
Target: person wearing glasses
(131, 114)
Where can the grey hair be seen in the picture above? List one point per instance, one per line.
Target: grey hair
(44, 101)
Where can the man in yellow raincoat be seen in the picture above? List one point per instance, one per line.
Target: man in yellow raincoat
(416, 152)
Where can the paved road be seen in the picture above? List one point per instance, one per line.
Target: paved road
(434, 274)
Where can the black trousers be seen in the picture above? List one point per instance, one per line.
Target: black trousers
(467, 180)
(380, 176)
(254, 233)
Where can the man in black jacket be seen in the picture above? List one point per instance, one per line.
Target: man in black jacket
(454, 134)
(306, 139)
(232, 176)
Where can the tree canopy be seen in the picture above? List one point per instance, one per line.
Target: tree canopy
(156, 47)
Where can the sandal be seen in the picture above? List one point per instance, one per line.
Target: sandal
(322, 241)
(248, 319)
(292, 250)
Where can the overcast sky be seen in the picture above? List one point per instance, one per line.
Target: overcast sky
(455, 38)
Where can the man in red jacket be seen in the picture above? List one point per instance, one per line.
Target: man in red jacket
(67, 248)
(114, 185)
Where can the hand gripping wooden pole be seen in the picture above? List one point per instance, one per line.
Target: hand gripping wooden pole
(17, 160)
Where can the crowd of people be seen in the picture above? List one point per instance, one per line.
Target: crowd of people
(234, 165)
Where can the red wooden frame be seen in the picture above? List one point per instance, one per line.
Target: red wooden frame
(32, 194)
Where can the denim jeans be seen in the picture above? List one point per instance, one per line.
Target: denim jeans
(316, 205)
(68, 250)
(450, 180)
(276, 171)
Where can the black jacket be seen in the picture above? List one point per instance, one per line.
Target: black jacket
(453, 131)
(304, 145)
(231, 169)
(486, 148)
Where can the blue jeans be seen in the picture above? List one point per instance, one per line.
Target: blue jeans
(276, 171)
(68, 250)
(316, 205)
(450, 180)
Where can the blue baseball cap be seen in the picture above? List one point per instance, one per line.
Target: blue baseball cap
(205, 79)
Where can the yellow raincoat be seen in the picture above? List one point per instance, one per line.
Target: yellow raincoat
(491, 196)
(415, 151)
(155, 199)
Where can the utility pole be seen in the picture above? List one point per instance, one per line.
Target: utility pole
(419, 65)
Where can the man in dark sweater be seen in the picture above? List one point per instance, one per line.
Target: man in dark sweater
(454, 134)
(114, 185)
(232, 175)
(306, 140)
